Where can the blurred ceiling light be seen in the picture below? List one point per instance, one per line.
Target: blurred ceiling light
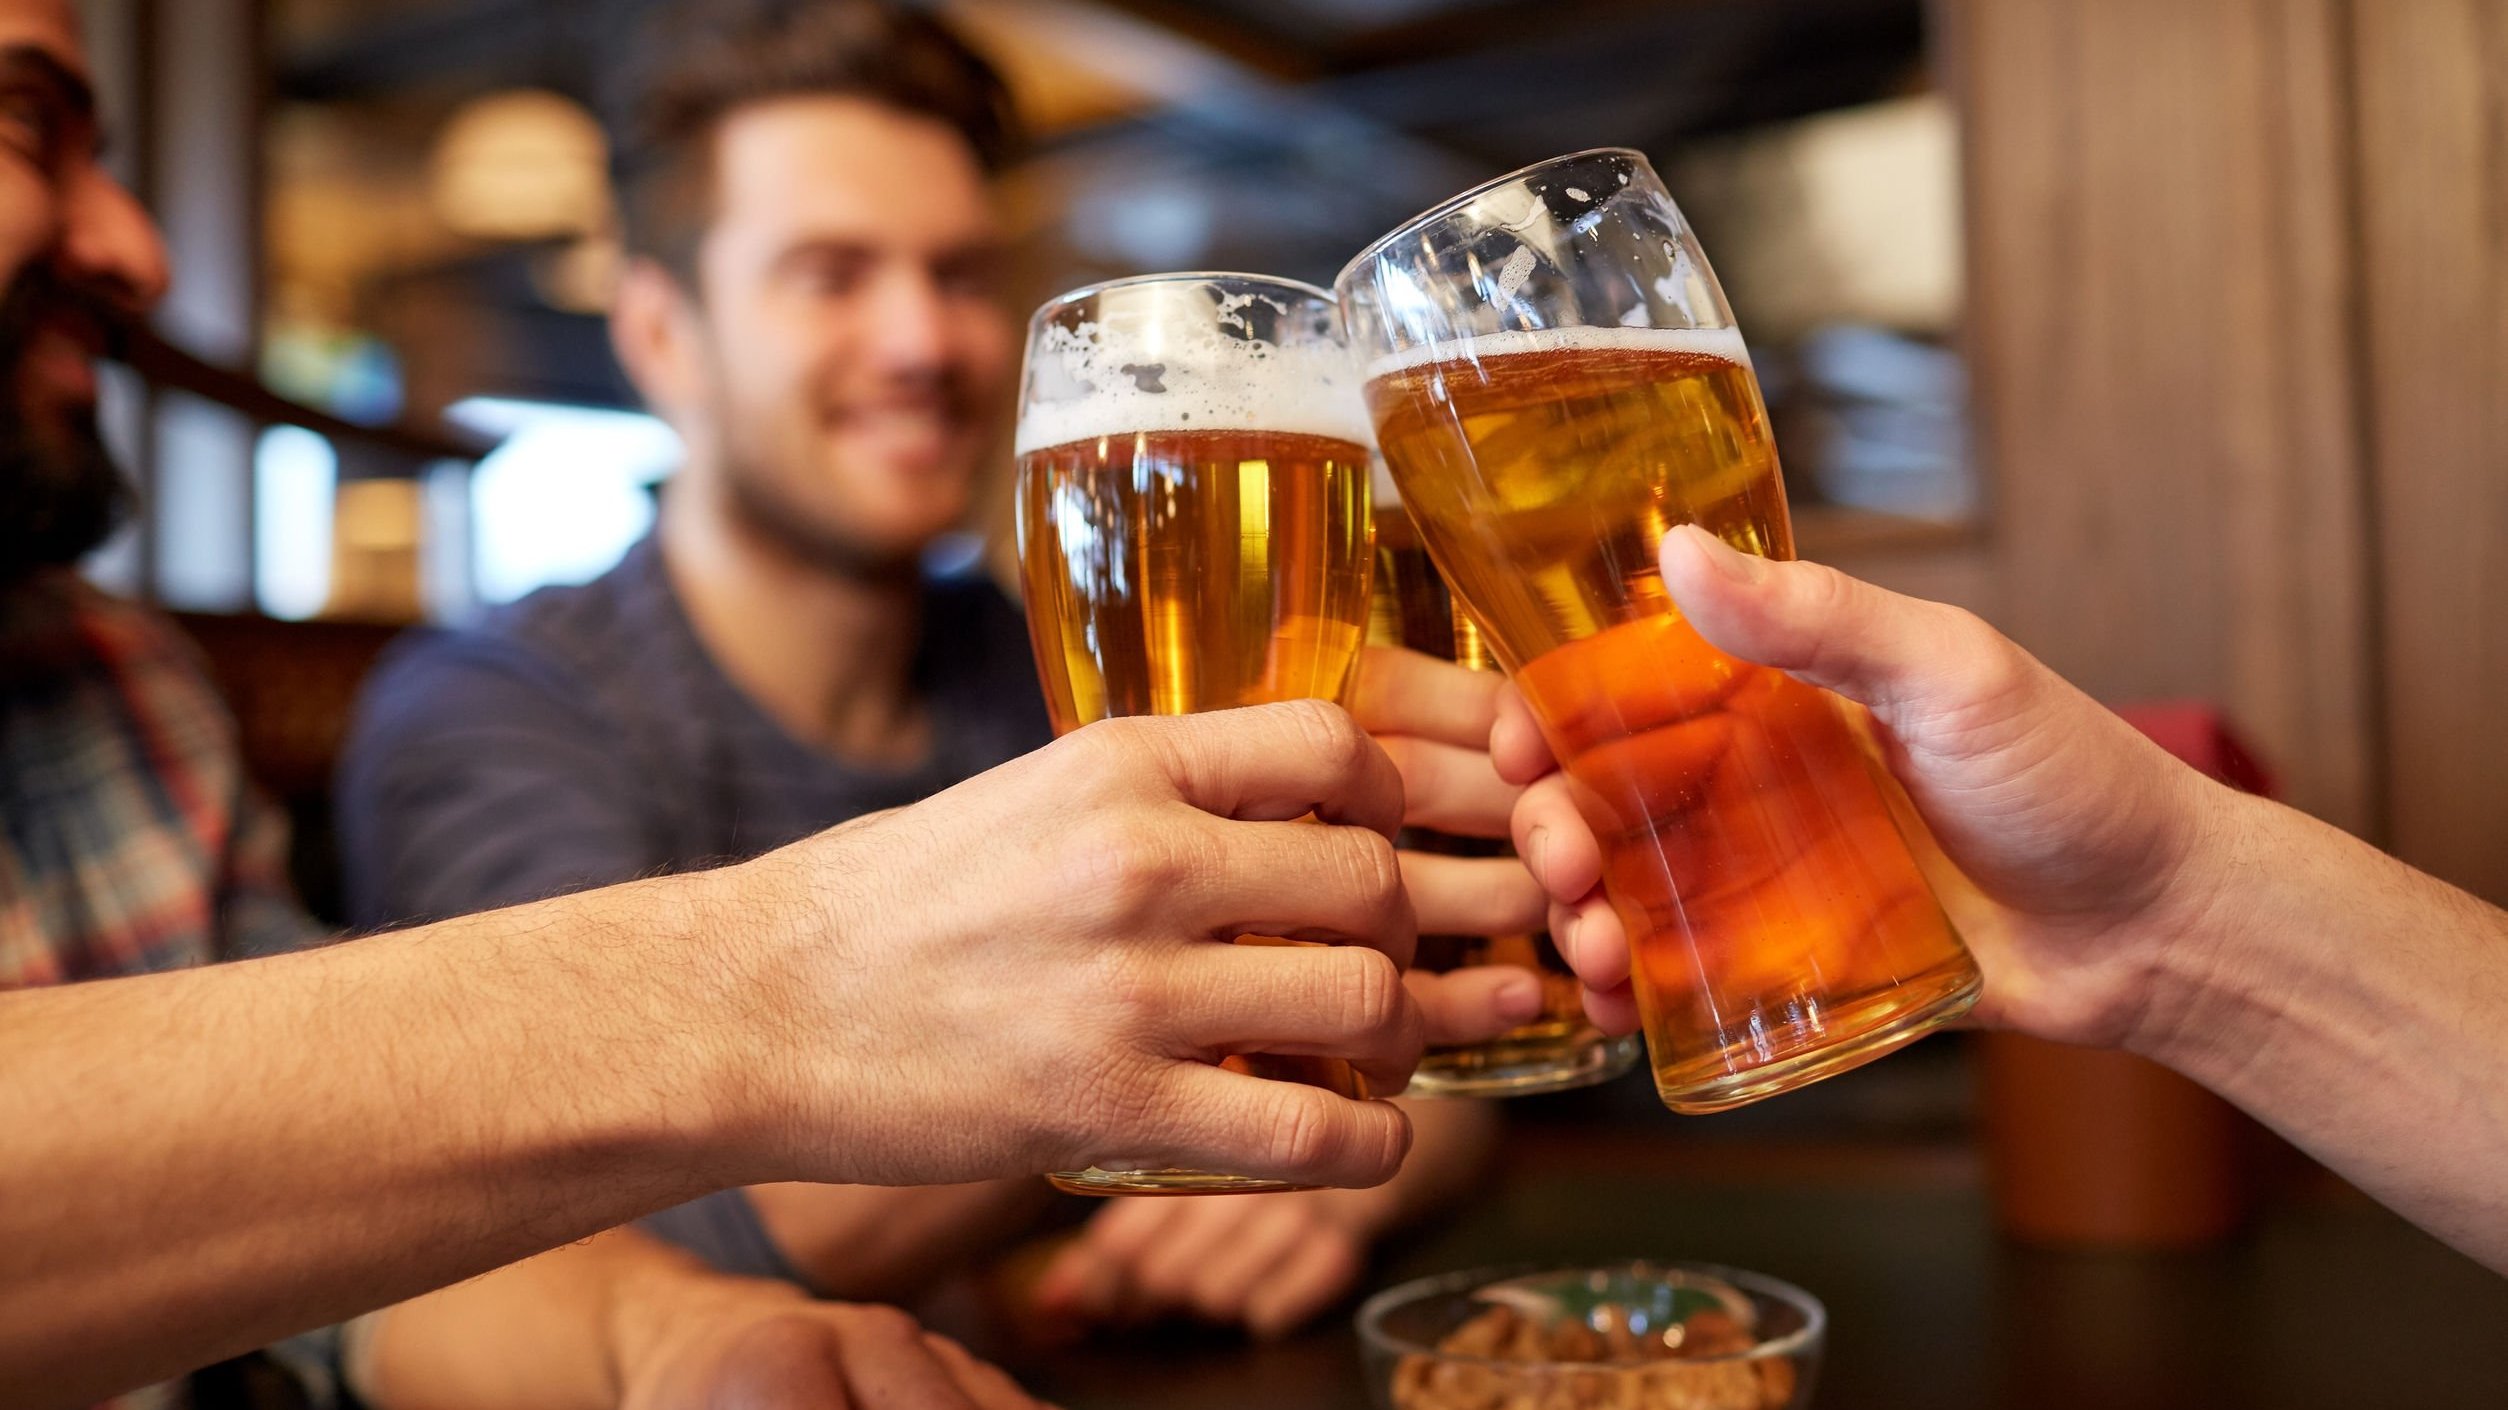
(521, 165)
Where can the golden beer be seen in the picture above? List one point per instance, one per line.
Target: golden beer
(1560, 1048)
(1780, 929)
(1193, 533)
(1169, 572)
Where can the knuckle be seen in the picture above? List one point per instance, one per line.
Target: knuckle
(1372, 996)
(1125, 862)
(1329, 732)
(1375, 867)
(1306, 1130)
(878, 1322)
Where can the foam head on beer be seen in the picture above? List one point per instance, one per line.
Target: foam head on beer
(1169, 359)
(1194, 461)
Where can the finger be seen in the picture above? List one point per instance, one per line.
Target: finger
(1407, 692)
(789, 1362)
(1220, 1288)
(984, 1383)
(1311, 1001)
(1815, 622)
(1318, 1272)
(1222, 1120)
(1555, 841)
(1086, 1275)
(1613, 1010)
(1591, 938)
(1164, 1273)
(1516, 749)
(1471, 895)
(1264, 762)
(1449, 787)
(1474, 1005)
(889, 1365)
(1296, 881)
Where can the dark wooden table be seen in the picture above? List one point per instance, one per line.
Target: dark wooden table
(2326, 1301)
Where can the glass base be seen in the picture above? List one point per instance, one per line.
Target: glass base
(1876, 1027)
(1511, 1066)
(1094, 1181)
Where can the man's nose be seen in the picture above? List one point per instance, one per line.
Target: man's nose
(109, 247)
(910, 323)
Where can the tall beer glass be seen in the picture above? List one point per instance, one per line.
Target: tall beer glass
(1560, 1048)
(1556, 382)
(1193, 530)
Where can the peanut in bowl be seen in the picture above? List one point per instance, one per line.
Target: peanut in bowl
(1627, 1336)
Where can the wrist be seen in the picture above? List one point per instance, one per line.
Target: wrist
(658, 1302)
(757, 940)
(2199, 989)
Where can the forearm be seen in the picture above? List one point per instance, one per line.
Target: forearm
(542, 1334)
(2359, 1007)
(202, 1162)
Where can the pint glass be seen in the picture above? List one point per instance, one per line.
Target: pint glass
(1555, 382)
(1560, 1048)
(1193, 530)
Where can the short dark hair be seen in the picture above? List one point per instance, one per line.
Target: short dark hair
(695, 62)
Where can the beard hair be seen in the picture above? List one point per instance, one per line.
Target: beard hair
(60, 493)
(761, 507)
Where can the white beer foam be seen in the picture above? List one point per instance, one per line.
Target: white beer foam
(1209, 382)
(1725, 343)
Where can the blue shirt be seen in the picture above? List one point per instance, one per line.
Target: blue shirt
(583, 736)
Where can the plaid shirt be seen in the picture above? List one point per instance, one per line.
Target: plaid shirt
(129, 839)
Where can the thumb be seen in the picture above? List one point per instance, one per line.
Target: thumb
(1819, 625)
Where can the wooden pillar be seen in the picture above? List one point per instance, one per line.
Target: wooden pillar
(2432, 93)
(2163, 329)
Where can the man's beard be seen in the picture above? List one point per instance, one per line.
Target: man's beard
(762, 507)
(60, 494)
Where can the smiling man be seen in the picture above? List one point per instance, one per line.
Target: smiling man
(808, 204)
(197, 1161)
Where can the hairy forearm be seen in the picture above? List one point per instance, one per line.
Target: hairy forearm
(2359, 1007)
(202, 1162)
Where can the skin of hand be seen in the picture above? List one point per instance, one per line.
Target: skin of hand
(624, 1321)
(2076, 831)
(1267, 1262)
(1121, 857)
(2115, 897)
(1054, 928)
(1433, 718)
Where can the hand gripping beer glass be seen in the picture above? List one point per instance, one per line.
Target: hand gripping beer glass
(1556, 382)
(1193, 530)
(1560, 1048)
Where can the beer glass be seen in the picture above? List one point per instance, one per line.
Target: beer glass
(1559, 1048)
(1555, 382)
(1193, 531)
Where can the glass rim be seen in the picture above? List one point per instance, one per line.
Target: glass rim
(1371, 1313)
(1178, 276)
(1456, 202)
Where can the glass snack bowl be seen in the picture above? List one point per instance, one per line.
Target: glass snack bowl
(1622, 1336)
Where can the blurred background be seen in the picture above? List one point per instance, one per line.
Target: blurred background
(2169, 335)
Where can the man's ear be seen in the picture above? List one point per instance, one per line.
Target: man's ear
(653, 329)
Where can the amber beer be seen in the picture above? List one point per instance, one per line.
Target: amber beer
(1193, 532)
(1559, 1048)
(1173, 571)
(1780, 928)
